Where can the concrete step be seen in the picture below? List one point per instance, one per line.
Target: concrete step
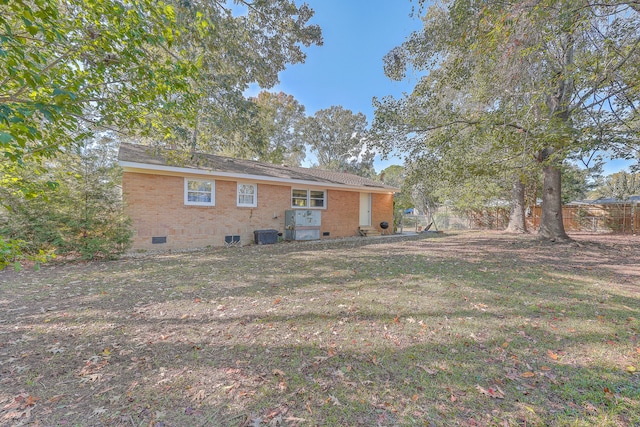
(368, 231)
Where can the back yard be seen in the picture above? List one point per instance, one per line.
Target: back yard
(472, 329)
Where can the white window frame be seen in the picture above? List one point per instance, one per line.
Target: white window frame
(192, 203)
(308, 199)
(255, 195)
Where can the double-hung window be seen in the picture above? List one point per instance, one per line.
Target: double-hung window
(199, 192)
(308, 198)
(247, 195)
(317, 199)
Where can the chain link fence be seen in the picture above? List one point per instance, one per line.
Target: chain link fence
(446, 218)
(606, 218)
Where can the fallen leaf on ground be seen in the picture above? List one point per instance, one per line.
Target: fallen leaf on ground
(427, 370)
(295, 420)
(91, 378)
(199, 396)
(527, 374)
(21, 401)
(631, 369)
(334, 400)
(552, 355)
(493, 392)
(17, 414)
(55, 399)
(98, 411)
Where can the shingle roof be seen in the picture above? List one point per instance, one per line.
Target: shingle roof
(606, 201)
(140, 154)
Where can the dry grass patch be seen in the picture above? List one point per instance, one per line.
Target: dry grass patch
(467, 329)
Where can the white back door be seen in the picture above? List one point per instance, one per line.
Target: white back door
(365, 209)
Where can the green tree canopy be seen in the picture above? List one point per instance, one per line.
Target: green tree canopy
(528, 81)
(83, 216)
(620, 185)
(166, 70)
(337, 137)
(280, 118)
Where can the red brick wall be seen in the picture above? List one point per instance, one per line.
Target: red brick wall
(155, 203)
(382, 210)
(341, 219)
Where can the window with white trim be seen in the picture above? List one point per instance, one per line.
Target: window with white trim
(199, 192)
(308, 198)
(247, 195)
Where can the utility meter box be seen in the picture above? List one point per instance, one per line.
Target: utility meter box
(302, 224)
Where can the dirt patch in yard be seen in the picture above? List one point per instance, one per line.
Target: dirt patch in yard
(473, 328)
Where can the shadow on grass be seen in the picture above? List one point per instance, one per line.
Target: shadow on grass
(424, 332)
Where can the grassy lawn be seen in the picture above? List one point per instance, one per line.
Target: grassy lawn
(472, 329)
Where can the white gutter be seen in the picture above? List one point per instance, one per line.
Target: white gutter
(146, 168)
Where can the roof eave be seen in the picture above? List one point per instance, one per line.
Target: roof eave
(146, 168)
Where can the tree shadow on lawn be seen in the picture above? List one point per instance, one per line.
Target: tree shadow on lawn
(391, 288)
(195, 371)
(391, 334)
(110, 380)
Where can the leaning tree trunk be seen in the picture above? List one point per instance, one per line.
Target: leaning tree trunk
(517, 223)
(551, 226)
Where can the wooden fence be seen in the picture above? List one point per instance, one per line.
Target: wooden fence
(606, 218)
(609, 218)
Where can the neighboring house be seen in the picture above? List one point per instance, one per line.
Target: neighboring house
(209, 200)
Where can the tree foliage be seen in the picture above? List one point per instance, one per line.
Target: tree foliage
(577, 182)
(69, 64)
(167, 70)
(84, 214)
(621, 186)
(517, 84)
(280, 118)
(395, 176)
(247, 46)
(337, 137)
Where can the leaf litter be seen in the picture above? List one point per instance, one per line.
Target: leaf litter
(351, 331)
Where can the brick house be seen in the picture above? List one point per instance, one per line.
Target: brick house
(211, 200)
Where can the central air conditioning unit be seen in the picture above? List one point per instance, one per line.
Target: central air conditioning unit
(302, 224)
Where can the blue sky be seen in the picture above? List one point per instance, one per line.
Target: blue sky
(348, 70)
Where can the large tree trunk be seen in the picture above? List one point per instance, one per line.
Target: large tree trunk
(551, 226)
(517, 223)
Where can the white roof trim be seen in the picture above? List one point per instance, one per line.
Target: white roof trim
(163, 168)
